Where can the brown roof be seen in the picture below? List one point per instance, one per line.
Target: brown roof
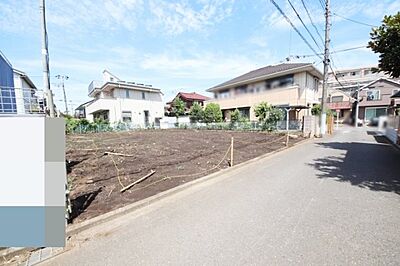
(193, 96)
(264, 71)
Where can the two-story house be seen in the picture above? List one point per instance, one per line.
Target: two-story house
(342, 86)
(294, 85)
(188, 98)
(376, 98)
(17, 91)
(120, 101)
(7, 90)
(25, 94)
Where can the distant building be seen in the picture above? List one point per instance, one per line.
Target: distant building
(80, 111)
(293, 85)
(342, 87)
(7, 92)
(376, 98)
(188, 99)
(121, 101)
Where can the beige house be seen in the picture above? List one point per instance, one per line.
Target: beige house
(294, 85)
(120, 101)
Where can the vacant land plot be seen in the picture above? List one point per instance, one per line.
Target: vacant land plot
(100, 164)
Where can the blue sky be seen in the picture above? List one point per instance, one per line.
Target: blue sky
(175, 45)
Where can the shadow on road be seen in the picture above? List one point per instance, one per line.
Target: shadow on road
(368, 165)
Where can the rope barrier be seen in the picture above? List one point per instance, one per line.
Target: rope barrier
(177, 176)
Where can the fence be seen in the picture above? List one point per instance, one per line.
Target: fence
(21, 101)
(86, 127)
(392, 129)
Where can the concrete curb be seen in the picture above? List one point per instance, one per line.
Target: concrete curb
(75, 229)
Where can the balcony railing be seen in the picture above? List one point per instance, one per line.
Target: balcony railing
(95, 84)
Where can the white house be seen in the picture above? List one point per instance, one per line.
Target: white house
(121, 101)
(25, 93)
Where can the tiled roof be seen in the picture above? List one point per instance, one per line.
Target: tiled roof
(268, 70)
(193, 96)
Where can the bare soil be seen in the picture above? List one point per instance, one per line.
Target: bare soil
(176, 156)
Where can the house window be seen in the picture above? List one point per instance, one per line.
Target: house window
(337, 99)
(143, 95)
(127, 116)
(373, 95)
(279, 82)
(355, 73)
(241, 90)
(111, 79)
(371, 113)
(340, 75)
(224, 94)
(126, 93)
(367, 72)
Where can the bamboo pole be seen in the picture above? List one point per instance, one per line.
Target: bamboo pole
(231, 151)
(138, 181)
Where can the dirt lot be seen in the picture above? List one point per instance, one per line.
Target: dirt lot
(176, 156)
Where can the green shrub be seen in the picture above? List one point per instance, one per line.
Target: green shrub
(212, 113)
(196, 113)
(268, 115)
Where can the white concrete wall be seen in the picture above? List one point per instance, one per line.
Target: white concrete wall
(136, 107)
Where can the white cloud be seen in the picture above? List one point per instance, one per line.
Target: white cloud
(82, 16)
(178, 17)
(200, 66)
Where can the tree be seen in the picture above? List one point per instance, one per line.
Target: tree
(178, 108)
(235, 116)
(212, 113)
(316, 110)
(385, 40)
(196, 113)
(261, 110)
(268, 115)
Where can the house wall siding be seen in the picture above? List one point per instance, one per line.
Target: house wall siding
(386, 91)
(300, 93)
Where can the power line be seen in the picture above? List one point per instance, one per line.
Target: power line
(302, 22)
(312, 22)
(354, 21)
(333, 52)
(322, 2)
(294, 27)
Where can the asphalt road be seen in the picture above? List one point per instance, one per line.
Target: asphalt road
(335, 201)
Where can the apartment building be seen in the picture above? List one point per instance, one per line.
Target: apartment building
(293, 85)
(115, 100)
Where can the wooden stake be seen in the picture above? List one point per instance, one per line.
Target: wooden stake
(138, 181)
(118, 154)
(231, 151)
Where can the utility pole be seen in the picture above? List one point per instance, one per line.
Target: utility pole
(45, 61)
(62, 77)
(357, 105)
(326, 65)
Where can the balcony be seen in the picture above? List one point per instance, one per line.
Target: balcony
(287, 95)
(95, 84)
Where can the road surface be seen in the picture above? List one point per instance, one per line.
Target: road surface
(335, 201)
